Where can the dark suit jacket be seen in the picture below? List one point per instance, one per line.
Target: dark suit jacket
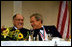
(49, 30)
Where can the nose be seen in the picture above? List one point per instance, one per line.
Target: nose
(21, 21)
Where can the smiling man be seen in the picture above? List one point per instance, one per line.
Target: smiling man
(17, 32)
(18, 22)
(36, 21)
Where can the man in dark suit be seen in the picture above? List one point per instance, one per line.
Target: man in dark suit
(18, 22)
(40, 30)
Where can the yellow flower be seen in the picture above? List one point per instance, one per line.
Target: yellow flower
(5, 33)
(20, 36)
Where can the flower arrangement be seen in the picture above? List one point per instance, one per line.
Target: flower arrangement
(5, 33)
(11, 35)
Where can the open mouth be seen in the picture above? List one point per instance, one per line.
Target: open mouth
(20, 24)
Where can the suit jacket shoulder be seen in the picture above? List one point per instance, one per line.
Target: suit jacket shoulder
(52, 30)
(24, 31)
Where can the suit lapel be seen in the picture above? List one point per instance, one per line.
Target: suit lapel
(47, 29)
(13, 29)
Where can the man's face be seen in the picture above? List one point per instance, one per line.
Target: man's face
(34, 23)
(18, 21)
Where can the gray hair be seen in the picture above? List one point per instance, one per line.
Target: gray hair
(37, 16)
(15, 16)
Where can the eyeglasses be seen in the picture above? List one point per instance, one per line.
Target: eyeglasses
(19, 19)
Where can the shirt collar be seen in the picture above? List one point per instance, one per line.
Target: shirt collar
(15, 27)
(42, 25)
